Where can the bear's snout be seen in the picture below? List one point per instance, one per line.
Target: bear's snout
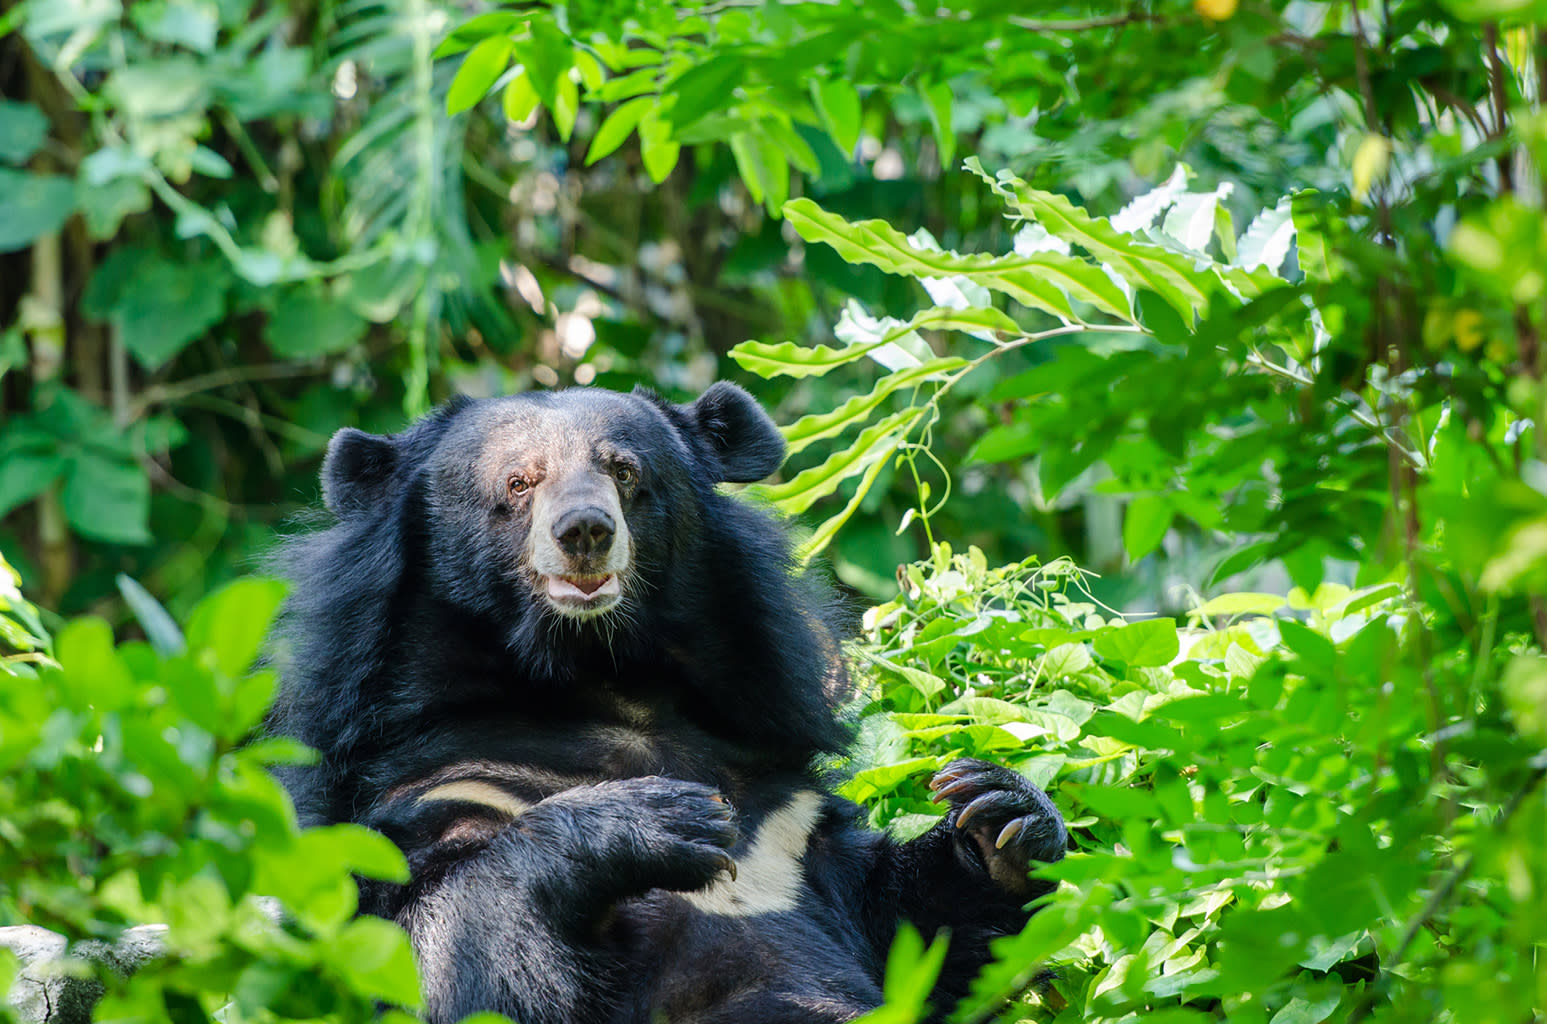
(585, 533)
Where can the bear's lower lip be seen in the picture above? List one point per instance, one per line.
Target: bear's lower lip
(583, 591)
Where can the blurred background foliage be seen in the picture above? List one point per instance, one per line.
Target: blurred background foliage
(1239, 305)
(231, 228)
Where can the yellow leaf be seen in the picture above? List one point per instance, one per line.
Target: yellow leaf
(1370, 162)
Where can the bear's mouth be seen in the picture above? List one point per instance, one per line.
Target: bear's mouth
(583, 594)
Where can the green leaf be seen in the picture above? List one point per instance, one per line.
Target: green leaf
(1231, 605)
(787, 359)
(839, 104)
(547, 57)
(94, 673)
(937, 100)
(1145, 524)
(818, 426)
(702, 88)
(824, 534)
(376, 956)
(232, 622)
(164, 306)
(616, 127)
(26, 474)
(159, 628)
(187, 23)
(1145, 644)
(23, 127)
(477, 29)
(106, 205)
(107, 499)
(566, 105)
(520, 98)
(307, 322)
(482, 66)
(32, 205)
(923, 682)
(874, 443)
(1039, 280)
(1174, 276)
(1300, 1011)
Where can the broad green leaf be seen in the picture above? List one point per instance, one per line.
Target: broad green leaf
(232, 622)
(1145, 523)
(94, 673)
(107, 499)
(376, 955)
(923, 682)
(477, 30)
(818, 426)
(616, 127)
(1150, 642)
(520, 99)
(704, 87)
(164, 306)
(762, 167)
(307, 322)
(1042, 280)
(1301, 1011)
(32, 205)
(656, 147)
(839, 104)
(105, 206)
(547, 57)
(482, 66)
(566, 106)
(1231, 605)
(873, 444)
(23, 127)
(26, 474)
(192, 24)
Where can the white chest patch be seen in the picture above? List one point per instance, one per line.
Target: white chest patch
(769, 874)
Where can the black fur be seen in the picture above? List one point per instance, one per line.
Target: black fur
(572, 787)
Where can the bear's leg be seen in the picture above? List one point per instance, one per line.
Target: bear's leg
(516, 926)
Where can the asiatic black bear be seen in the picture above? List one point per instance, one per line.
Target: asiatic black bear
(584, 692)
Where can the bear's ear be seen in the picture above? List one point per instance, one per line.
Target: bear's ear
(737, 429)
(356, 471)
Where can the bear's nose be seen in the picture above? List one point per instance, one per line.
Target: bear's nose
(584, 532)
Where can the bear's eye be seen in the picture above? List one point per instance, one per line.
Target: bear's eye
(625, 475)
(519, 485)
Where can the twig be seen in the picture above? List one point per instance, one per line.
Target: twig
(1415, 457)
(165, 393)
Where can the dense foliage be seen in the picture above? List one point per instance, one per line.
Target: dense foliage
(1239, 304)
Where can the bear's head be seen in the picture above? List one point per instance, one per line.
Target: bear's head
(523, 548)
(572, 503)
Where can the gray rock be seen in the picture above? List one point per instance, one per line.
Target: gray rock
(57, 985)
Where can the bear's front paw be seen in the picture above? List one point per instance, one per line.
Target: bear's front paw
(1002, 819)
(653, 832)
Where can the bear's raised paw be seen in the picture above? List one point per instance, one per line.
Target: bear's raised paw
(1000, 820)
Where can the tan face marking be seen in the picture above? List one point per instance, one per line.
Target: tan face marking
(472, 791)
